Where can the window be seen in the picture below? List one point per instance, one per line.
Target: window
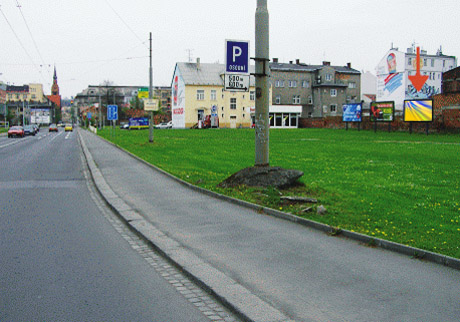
(333, 92)
(351, 85)
(279, 83)
(305, 84)
(34, 96)
(278, 99)
(233, 103)
(292, 83)
(296, 99)
(432, 63)
(200, 95)
(328, 77)
(310, 99)
(443, 63)
(424, 62)
(333, 108)
(252, 95)
(213, 95)
(409, 61)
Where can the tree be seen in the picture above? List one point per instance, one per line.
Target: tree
(136, 103)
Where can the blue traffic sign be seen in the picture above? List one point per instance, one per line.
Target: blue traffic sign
(237, 56)
(112, 112)
(89, 115)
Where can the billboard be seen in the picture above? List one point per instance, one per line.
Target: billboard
(178, 100)
(352, 113)
(40, 116)
(138, 123)
(418, 111)
(382, 112)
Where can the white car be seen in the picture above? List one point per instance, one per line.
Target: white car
(164, 125)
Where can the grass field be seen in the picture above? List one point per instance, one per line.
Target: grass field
(394, 186)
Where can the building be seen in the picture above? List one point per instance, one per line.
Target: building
(55, 97)
(122, 96)
(446, 105)
(198, 91)
(394, 69)
(320, 90)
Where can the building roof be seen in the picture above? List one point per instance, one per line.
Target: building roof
(12, 88)
(206, 74)
(310, 68)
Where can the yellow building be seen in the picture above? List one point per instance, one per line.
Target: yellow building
(26, 93)
(198, 91)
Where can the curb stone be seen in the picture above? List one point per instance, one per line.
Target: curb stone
(232, 295)
(375, 242)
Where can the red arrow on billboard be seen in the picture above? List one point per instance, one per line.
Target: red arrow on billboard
(418, 80)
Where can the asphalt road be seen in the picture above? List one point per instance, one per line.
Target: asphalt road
(60, 259)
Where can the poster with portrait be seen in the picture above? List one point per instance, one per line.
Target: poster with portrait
(390, 78)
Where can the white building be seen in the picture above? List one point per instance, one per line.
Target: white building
(394, 69)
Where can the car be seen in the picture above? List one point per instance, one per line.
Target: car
(29, 130)
(36, 128)
(164, 125)
(124, 126)
(68, 127)
(16, 131)
(52, 128)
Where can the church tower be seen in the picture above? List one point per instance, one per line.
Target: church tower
(55, 87)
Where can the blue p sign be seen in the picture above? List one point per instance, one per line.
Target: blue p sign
(237, 56)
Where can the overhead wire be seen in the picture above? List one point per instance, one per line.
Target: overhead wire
(20, 42)
(31, 36)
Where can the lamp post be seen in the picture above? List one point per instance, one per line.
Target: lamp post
(262, 85)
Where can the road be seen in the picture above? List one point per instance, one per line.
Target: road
(60, 257)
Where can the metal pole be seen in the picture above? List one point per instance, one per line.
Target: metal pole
(151, 92)
(262, 85)
(100, 109)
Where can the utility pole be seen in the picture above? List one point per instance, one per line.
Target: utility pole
(151, 92)
(262, 85)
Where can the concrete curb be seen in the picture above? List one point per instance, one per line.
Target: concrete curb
(234, 296)
(371, 241)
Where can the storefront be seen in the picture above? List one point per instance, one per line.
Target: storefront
(282, 116)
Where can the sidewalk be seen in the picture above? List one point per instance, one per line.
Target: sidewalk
(266, 268)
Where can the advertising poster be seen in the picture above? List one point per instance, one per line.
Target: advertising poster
(390, 77)
(40, 116)
(418, 111)
(178, 100)
(352, 113)
(382, 111)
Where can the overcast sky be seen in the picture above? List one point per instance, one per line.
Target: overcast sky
(90, 41)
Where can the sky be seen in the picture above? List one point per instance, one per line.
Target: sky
(94, 41)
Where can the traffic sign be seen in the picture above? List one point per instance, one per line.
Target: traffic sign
(112, 112)
(150, 104)
(237, 56)
(236, 82)
(88, 115)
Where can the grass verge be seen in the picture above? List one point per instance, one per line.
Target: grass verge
(395, 186)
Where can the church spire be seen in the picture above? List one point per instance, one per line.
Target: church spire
(55, 87)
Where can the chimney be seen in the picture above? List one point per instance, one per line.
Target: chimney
(326, 63)
(349, 65)
(297, 61)
(198, 63)
(290, 62)
(275, 60)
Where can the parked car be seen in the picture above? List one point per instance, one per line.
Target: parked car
(52, 128)
(68, 127)
(124, 126)
(29, 130)
(16, 131)
(164, 125)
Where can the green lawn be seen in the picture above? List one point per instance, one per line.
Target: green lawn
(394, 186)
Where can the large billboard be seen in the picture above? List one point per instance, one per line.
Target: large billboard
(178, 100)
(390, 77)
(352, 113)
(40, 116)
(382, 112)
(418, 111)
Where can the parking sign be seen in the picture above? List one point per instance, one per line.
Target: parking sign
(237, 56)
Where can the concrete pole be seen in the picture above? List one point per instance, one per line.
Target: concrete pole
(262, 85)
(151, 92)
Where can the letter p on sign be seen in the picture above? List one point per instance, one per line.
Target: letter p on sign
(237, 56)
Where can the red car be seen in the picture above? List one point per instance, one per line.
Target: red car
(53, 128)
(16, 131)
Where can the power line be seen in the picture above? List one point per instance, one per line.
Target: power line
(31, 36)
(127, 26)
(20, 42)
